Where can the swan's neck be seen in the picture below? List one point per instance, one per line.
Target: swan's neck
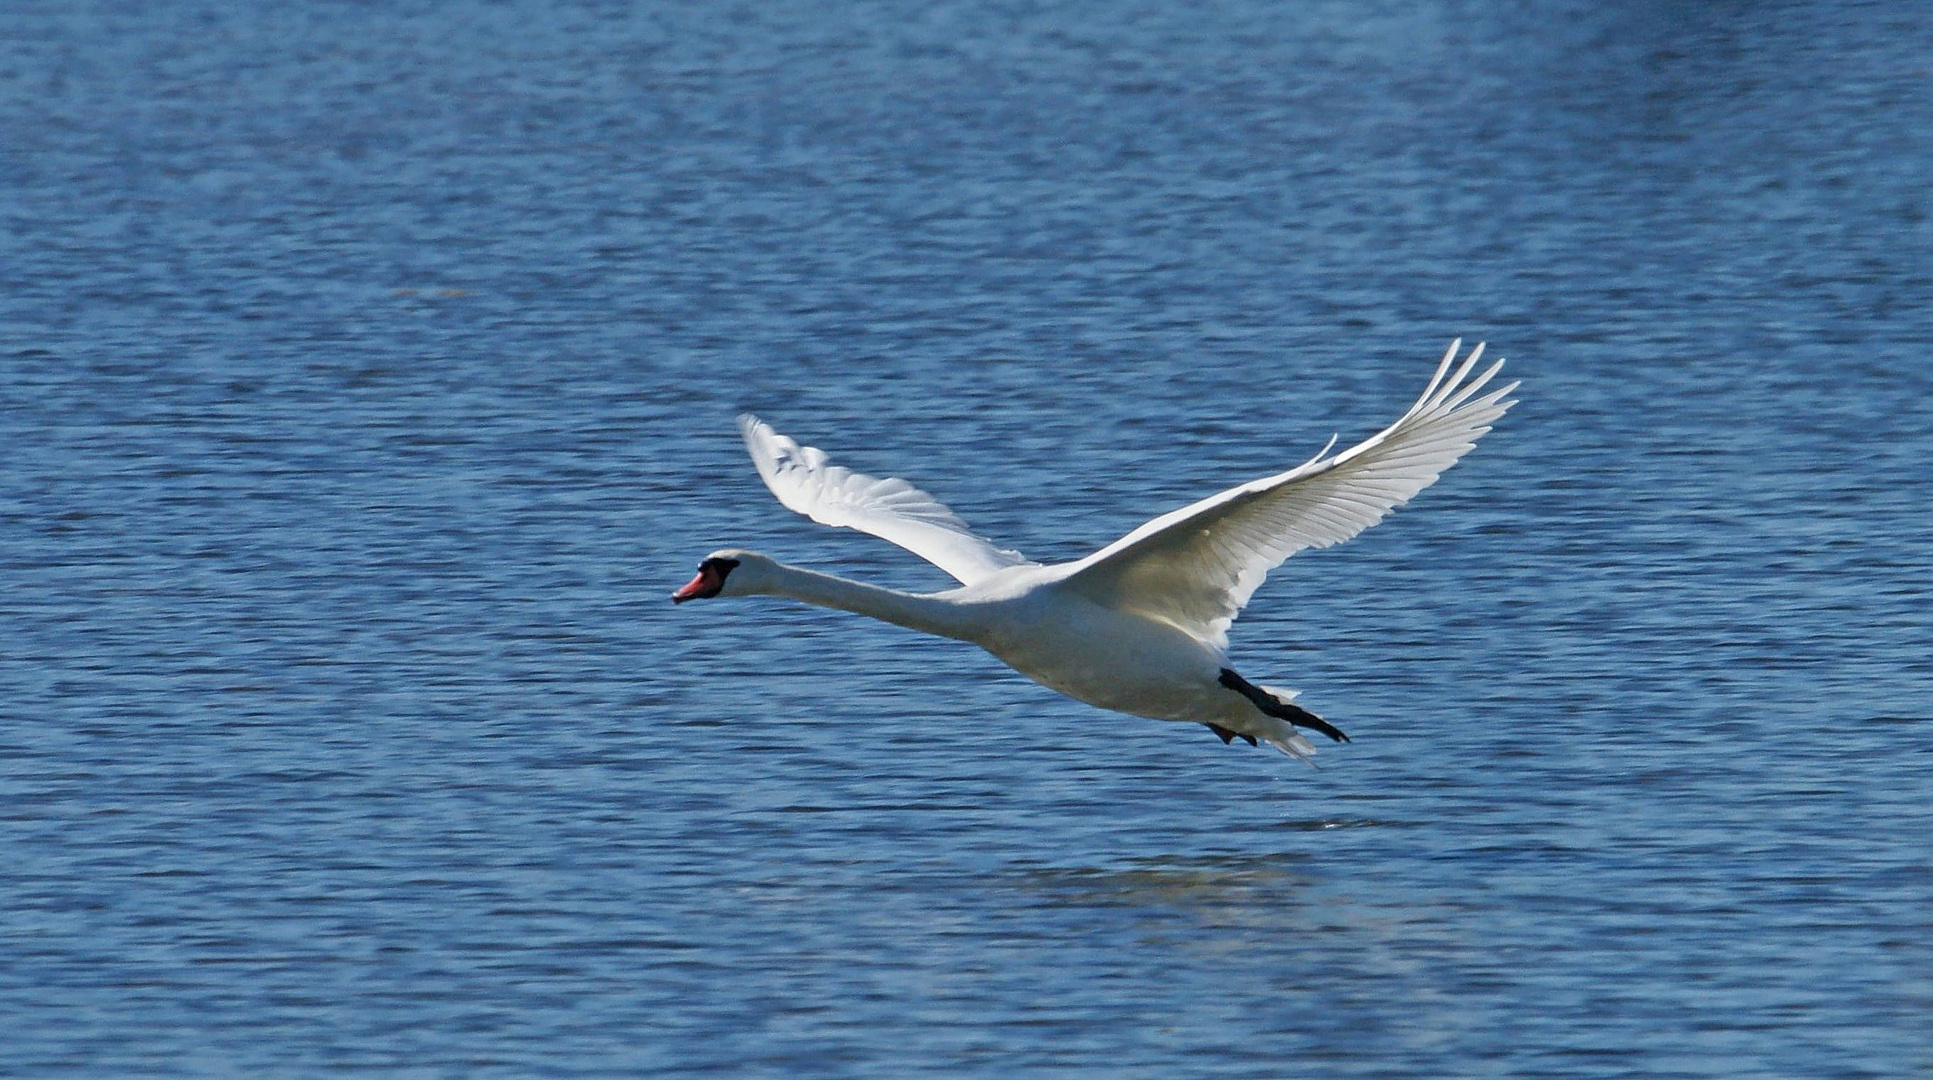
(928, 614)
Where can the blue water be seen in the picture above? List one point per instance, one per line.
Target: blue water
(367, 376)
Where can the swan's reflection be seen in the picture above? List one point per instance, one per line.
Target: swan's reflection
(1173, 880)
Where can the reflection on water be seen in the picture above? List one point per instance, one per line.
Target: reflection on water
(1200, 883)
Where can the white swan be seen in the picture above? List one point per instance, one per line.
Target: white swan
(1140, 626)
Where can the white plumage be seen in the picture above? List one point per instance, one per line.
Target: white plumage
(804, 480)
(1140, 626)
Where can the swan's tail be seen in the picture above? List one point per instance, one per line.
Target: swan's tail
(1283, 735)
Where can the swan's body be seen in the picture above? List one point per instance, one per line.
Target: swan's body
(1140, 626)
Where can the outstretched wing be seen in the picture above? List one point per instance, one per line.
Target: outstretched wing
(805, 480)
(1196, 567)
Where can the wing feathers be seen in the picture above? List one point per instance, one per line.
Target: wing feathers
(805, 480)
(1197, 566)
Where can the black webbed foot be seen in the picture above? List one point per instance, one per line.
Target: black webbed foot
(1228, 736)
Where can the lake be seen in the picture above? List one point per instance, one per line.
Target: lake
(369, 383)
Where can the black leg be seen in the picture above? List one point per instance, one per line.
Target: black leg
(1281, 710)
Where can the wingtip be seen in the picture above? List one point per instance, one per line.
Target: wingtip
(762, 439)
(1442, 369)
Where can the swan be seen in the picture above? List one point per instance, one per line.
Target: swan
(1140, 626)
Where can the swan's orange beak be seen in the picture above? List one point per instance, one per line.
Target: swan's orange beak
(706, 584)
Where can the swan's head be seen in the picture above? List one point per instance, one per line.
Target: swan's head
(725, 573)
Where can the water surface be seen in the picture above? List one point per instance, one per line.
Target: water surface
(368, 384)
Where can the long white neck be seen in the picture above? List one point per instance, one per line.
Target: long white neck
(928, 614)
